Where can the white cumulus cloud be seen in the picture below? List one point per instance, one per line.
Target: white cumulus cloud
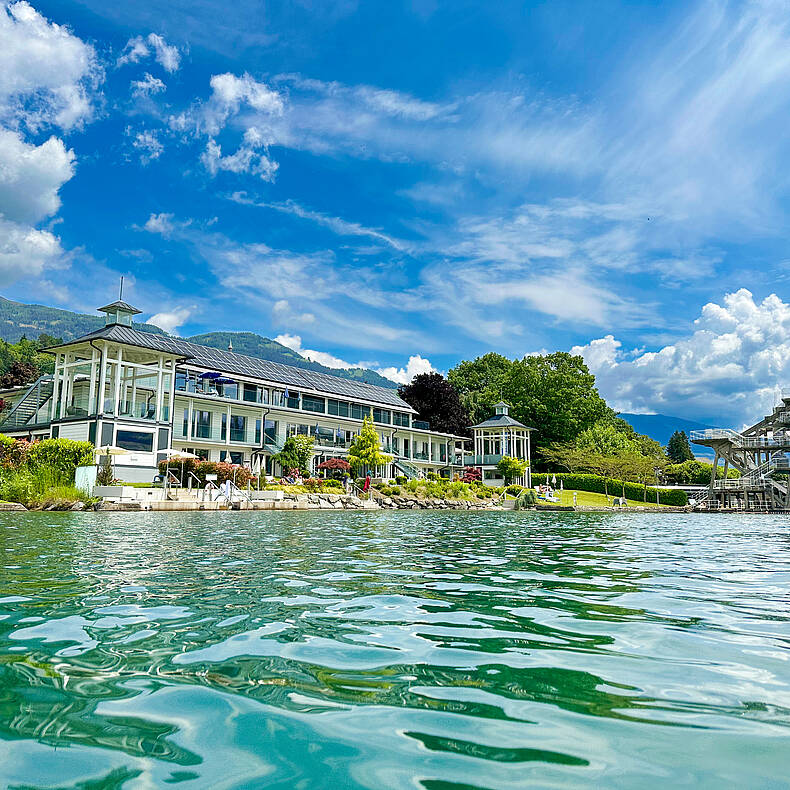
(147, 86)
(148, 145)
(414, 367)
(46, 73)
(730, 369)
(171, 320)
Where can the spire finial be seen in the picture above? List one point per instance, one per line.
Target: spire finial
(230, 345)
(120, 291)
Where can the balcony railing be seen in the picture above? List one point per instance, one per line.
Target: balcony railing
(420, 425)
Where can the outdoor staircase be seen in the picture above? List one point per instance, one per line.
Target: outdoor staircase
(24, 413)
(408, 469)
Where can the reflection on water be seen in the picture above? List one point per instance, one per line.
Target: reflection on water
(393, 650)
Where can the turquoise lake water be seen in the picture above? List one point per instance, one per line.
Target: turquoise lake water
(436, 650)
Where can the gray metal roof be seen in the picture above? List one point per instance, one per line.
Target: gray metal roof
(119, 305)
(242, 365)
(502, 421)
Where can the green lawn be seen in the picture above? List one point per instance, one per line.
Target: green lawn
(590, 499)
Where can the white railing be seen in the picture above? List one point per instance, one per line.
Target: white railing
(714, 433)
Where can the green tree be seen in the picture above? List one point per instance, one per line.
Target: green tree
(556, 394)
(365, 454)
(510, 468)
(481, 383)
(296, 454)
(678, 448)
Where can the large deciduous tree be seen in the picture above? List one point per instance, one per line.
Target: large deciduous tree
(436, 400)
(481, 383)
(556, 394)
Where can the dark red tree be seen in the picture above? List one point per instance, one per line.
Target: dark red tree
(437, 402)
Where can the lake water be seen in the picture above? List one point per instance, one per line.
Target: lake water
(435, 650)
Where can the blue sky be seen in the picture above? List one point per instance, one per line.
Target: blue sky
(408, 184)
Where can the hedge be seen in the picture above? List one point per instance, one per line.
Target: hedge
(63, 455)
(600, 485)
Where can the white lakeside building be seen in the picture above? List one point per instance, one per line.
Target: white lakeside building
(149, 393)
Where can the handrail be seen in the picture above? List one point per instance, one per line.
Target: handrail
(190, 477)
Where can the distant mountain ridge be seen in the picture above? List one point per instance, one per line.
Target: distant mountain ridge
(661, 426)
(31, 320)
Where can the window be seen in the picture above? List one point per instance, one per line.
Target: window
(338, 407)
(381, 415)
(405, 448)
(400, 418)
(359, 412)
(312, 403)
(223, 433)
(186, 422)
(231, 456)
(257, 432)
(325, 436)
(292, 401)
(228, 389)
(270, 431)
(136, 441)
(297, 430)
(252, 393)
(201, 424)
(238, 428)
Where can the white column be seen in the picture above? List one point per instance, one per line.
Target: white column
(55, 383)
(227, 432)
(159, 393)
(64, 384)
(190, 417)
(93, 381)
(102, 378)
(117, 388)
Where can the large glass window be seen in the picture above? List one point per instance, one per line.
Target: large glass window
(325, 436)
(400, 418)
(381, 415)
(258, 427)
(292, 400)
(238, 428)
(252, 393)
(201, 424)
(186, 422)
(339, 408)
(136, 441)
(231, 456)
(228, 389)
(223, 432)
(359, 412)
(270, 431)
(312, 403)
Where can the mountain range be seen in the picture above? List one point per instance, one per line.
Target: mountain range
(31, 320)
(661, 426)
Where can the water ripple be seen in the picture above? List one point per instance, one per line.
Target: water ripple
(394, 650)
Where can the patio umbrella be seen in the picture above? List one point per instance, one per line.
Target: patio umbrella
(554, 481)
(210, 375)
(110, 450)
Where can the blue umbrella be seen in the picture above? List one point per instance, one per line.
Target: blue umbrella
(211, 375)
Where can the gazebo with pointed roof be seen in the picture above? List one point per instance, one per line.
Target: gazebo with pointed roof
(496, 437)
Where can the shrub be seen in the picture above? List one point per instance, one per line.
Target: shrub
(224, 471)
(313, 484)
(395, 490)
(13, 452)
(64, 455)
(431, 476)
(40, 487)
(515, 489)
(413, 485)
(526, 498)
(333, 485)
(482, 495)
(335, 468)
(600, 485)
(401, 480)
(471, 474)
(695, 472)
